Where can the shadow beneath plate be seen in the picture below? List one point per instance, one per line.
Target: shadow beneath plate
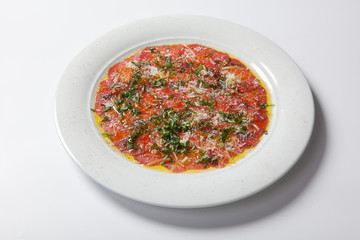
(253, 208)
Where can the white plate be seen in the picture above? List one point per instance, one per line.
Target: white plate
(289, 131)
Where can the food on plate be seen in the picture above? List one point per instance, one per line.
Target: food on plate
(182, 107)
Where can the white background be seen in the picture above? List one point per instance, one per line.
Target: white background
(43, 193)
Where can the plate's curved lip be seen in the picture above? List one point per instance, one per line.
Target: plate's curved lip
(232, 183)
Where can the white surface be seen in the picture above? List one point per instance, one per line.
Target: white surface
(44, 195)
(289, 132)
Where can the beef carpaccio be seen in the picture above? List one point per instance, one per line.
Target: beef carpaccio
(182, 106)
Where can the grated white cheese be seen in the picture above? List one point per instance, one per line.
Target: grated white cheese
(189, 54)
(199, 48)
(216, 119)
(184, 159)
(229, 79)
(108, 103)
(130, 65)
(151, 70)
(185, 137)
(201, 116)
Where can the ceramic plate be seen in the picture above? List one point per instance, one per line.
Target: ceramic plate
(289, 130)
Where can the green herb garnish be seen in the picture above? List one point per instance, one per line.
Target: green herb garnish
(160, 82)
(106, 118)
(171, 96)
(138, 64)
(205, 102)
(225, 133)
(208, 84)
(153, 146)
(264, 105)
(177, 84)
(187, 103)
(206, 159)
(237, 118)
(131, 141)
(191, 63)
(159, 55)
(108, 135)
(204, 124)
(168, 63)
(105, 108)
(199, 68)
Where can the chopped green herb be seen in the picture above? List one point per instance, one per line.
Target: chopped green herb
(242, 129)
(114, 86)
(167, 155)
(237, 118)
(205, 102)
(187, 103)
(209, 55)
(264, 105)
(177, 84)
(225, 133)
(131, 141)
(105, 108)
(204, 124)
(171, 96)
(152, 49)
(191, 63)
(265, 132)
(206, 159)
(135, 111)
(159, 55)
(199, 68)
(168, 63)
(153, 146)
(160, 82)
(172, 124)
(106, 118)
(156, 119)
(135, 78)
(246, 105)
(138, 64)
(140, 122)
(108, 135)
(126, 106)
(208, 84)
(92, 109)
(142, 89)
